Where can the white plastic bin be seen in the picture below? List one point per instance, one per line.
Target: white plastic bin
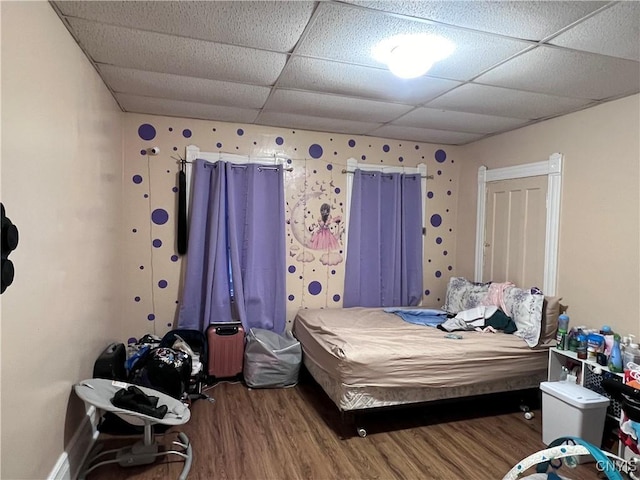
(572, 410)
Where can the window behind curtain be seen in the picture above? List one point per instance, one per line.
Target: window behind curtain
(385, 218)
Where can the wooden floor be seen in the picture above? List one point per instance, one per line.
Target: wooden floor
(298, 433)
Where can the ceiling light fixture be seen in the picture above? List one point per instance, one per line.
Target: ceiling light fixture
(410, 56)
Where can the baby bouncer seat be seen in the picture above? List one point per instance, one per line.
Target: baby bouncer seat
(153, 408)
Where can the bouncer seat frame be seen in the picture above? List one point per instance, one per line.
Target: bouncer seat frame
(99, 392)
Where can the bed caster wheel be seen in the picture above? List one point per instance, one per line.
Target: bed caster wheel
(362, 432)
(528, 414)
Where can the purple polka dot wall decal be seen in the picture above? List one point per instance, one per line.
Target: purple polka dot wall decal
(352, 143)
(449, 192)
(417, 147)
(146, 131)
(151, 317)
(315, 151)
(141, 267)
(438, 273)
(171, 129)
(450, 267)
(363, 157)
(337, 190)
(163, 284)
(159, 216)
(137, 299)
(336, 298)
(135, 230)
(386, 148)
(436, 220)
(427, 292)
(292, 269)
(143, 152)
(429, 194)
(240, 132)
(157, 243)
(174, 258)
(439, 172)
(401, 159)
(329, 167)
(279, 140)
(186, 133)
(291, 298)
(445, 253)
(333, 272)
(440, 156)
(146, 195)
(219, 145)
(315, 288)
(174, 189)
(438, 240)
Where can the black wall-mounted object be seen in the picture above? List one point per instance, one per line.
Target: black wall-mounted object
(9, 240)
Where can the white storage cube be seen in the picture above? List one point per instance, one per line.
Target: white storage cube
(570, 410)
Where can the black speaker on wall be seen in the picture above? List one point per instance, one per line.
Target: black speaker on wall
(9, 244)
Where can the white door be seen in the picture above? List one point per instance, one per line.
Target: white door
(515, 231)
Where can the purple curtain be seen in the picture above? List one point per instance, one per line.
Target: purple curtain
(236, 226)
(384, 251)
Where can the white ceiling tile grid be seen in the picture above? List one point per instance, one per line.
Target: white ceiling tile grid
(309, 65)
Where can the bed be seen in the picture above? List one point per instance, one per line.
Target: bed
(366, 358)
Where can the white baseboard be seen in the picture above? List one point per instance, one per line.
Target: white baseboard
(68, 465)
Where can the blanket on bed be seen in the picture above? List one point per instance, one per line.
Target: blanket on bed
(420, 316)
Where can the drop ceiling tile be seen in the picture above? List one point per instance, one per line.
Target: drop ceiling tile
(425, 135)
(532, 20)
(178, 87)
(349, 34)
(358, 81)
(569, 73)
(267, 25)
(503, 102)
(168, 54)
(457, 121)
(614, 31)
(175, 108)
(306, 122)
(333, 106)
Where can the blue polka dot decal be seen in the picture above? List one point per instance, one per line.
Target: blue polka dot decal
(146, 131)
(159, 216)
(315, 288)
(315, 151)
(440, 156)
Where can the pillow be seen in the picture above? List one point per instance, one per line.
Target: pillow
(550, 312)
(525, 308)
(463, 294)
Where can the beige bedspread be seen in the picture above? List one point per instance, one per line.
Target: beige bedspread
(368, 347)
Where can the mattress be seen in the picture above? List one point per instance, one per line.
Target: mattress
(367, 347)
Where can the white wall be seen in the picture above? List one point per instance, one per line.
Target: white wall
(599, 257)
(61, 186)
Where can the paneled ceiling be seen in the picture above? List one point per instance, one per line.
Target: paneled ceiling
(308, 65)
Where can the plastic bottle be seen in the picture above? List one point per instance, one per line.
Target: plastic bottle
(607, 333)
(582, 346)
(561, 335)
(631, 356)
(615, 359)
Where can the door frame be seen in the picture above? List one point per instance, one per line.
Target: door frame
(552, 168)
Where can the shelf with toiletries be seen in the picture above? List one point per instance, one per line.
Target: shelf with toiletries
(565, 364)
